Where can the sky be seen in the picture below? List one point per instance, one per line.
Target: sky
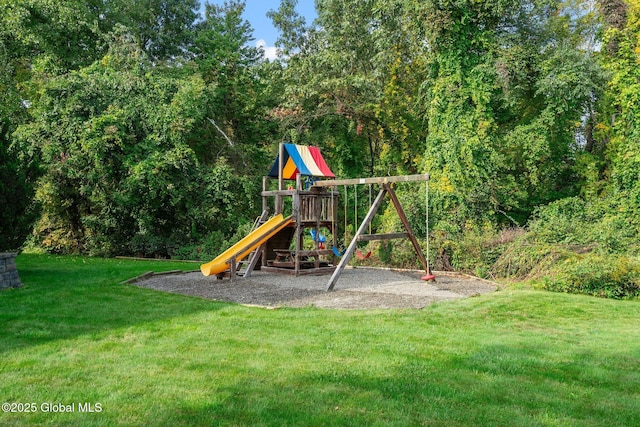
(264, 33)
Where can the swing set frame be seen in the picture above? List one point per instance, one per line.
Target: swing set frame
(386, 189)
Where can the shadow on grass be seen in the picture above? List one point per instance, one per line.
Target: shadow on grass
(64, 297)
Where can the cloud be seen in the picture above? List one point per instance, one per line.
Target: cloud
(270, 52)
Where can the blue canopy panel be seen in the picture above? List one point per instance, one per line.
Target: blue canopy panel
(303, 160)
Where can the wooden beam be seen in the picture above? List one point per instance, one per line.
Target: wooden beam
(298, 237)
(279, 193)
(288, 193)
(232, 274)
(316, 252)
(386, 236)
(374, 180)
(265, 204)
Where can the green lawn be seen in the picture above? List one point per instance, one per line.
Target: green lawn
(74, 336)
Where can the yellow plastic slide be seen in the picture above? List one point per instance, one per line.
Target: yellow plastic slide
(247, 245)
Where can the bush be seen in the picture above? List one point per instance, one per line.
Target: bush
(610, 224)
(213, 244)
(473, 250)
(524, 259)
(607, 276)
(18, 211)
(560, 222)
(206, 249)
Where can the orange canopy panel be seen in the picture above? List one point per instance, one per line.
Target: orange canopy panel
(303, 160)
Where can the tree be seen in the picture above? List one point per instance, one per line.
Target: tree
(119, 176)
(292, 26)
(161, 28)
(41, 39)
(505, 90)
(50, 36)
(17, 175)
(344, 77)
(239, 84)
(620, 124)
(493, 90)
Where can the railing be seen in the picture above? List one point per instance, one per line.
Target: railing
(316, 207)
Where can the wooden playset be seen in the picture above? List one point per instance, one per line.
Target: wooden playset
(277, 242)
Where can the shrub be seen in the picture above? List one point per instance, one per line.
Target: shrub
(608, 276)
(206, 249)
(611, 223)
(212, 245)
(473, 250)
(560, 221)
(524, 259)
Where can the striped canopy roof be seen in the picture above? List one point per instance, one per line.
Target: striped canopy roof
(303, 160)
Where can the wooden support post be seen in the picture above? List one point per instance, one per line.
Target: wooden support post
(297, 215)
(317, 214)
(279, 200)
(265, 205)
(334, 223)
(346, 257)
(265, 254)
(232, 274)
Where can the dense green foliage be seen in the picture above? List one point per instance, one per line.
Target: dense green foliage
(72, 334)
(121, 142)
(16, 197)
(119, 135)
(145, 131)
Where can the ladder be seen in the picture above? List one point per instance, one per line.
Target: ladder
(253, 258)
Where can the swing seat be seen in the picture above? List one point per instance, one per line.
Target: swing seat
(360, 255)
(337, 252)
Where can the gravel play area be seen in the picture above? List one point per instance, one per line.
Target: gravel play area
(357, 288)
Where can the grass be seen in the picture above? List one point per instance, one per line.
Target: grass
(74, 335)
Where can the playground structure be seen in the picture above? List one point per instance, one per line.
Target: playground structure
(277, 245)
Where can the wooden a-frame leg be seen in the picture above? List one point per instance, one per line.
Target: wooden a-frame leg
(346, 257)
(407, 226)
